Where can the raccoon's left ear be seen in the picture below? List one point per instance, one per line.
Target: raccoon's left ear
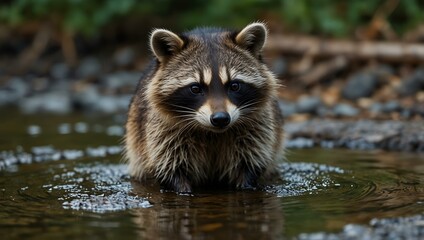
(252, 38)
(165, 43)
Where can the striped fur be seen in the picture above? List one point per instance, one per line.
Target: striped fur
(169, 133)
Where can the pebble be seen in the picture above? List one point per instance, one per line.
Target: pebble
(124, 57)
(287, 108)
(387, 228)
(89, 67)
(345, 110)
(364, 134)
(279, 66)
(60, 71)
(360, 85)
(64, 128)
(391, 106)
(53, 102)
(412, 84)
(121, 79)
(34, 130)
(299, 143)
(308, 104)
(81, 127)
(14, 90)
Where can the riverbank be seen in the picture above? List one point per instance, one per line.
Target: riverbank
(387, 228)
(406, 136)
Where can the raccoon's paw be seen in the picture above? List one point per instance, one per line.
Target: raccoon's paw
(180, 184)
(246, 180)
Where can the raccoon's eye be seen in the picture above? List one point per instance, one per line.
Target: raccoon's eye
(196, 89)
(235, 86)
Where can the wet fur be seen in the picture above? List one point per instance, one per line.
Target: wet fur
(164, 142)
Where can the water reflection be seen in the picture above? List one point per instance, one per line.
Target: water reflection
(214, 215)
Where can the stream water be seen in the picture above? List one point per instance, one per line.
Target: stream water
(62, 177)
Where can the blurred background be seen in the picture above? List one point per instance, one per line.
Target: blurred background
(336, 59)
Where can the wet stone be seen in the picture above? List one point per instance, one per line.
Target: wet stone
(124, 57)
(115, 130)
(279, 66)
(300, 143)
(89, 67)
(345, 110)
(387, 228)
(64, 128)
(412, 84)
(287, 108)
(14, 90)
(360, 85)
(52, 102)
(122, 79)
(81, 127)
(391, 106)
(60, 71)
(34, 130)
(72, 154)
(364, 134)
(49, 153)
(307, 104)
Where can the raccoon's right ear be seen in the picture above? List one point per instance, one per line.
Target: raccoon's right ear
(165, 43)
(252, 38)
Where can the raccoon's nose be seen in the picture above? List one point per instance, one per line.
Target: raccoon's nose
(220, 119)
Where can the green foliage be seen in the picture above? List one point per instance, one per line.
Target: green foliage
(85, 16)
(329, 17)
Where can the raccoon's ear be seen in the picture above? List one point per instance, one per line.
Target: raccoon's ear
(252, 38)
(165, 43)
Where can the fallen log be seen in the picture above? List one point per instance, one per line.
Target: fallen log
(387, 51)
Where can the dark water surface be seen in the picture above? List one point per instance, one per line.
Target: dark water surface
(61, 176)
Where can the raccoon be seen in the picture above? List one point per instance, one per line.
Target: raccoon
(205, 112)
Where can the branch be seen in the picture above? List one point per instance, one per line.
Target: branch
(387, 51)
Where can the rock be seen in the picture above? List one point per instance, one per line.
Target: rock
(15, 89)
(360, 85)
(86, 96)
(387, 228)
(279, 66)
(60, 71)
(299, 143)
(89, 67)
(113, 104)
(391, 106)
(345, 110)
(53, 102)
(412, 84)
(89, 99)
(324, 111)
(287, 108)
(307, 104)
(121, 79)
(376, 108)
(124, 57)
(418, 109)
